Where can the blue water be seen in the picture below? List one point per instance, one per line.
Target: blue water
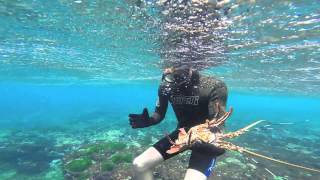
(28, 105)
(72, 71)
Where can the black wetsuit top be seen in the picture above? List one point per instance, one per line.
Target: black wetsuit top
(192, 106)
(195, 104)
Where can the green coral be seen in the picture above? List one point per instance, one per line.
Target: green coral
(107, 165)
(99, 148)
(115, 146)
(119, 158)
(79, 165)
(94, 148)
(95, 153)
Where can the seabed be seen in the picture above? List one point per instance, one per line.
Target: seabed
(105, 151)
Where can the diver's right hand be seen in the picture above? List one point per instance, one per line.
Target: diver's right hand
(140, 120)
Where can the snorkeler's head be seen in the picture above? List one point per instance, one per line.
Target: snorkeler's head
(178, 77)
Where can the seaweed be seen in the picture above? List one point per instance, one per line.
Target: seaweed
(120, 158)
(95, 148)
(107, 165)
(115, 146)
(103, 147)
(78, 165)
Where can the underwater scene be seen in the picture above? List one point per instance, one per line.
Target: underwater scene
(71, 71)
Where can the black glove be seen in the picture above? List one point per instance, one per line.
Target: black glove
(140, 120)
(207, 148)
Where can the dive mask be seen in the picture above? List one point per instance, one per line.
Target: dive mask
(177, 77)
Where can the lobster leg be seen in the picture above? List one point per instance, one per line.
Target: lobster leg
(220, 120)
(169, 139)
(241, 131)
(229, 146)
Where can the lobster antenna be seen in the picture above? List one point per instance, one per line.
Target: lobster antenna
(279, 161)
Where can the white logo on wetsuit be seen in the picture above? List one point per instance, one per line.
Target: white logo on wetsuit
(190, 100)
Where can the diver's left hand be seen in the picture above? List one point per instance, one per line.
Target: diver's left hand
(207, 148)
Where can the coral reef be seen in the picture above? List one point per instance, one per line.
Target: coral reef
(60, 153)
(107, 165)
(96, 160)
(78, 165)
(120, 158)
(28, 153)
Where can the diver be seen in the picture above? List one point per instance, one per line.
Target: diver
(194, 98)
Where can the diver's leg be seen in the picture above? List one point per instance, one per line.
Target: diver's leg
(194, 174)
(143, 163)
(201, 166)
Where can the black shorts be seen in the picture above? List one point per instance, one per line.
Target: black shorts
(198, 161)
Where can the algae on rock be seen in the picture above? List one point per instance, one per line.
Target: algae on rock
(79, 165)
(120, 158)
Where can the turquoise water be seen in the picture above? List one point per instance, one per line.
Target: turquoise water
(71, 72)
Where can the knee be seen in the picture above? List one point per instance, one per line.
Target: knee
(138, 165)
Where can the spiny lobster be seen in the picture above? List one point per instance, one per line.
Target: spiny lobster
(210, 132)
